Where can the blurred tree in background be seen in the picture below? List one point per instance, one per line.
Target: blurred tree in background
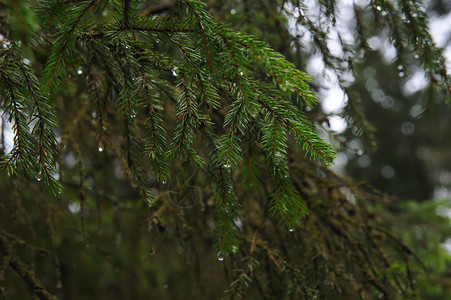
(151, 151)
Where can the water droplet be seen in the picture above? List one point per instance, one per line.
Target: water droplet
(241, 73)
(416, 56)
(163, 182)
(384, 13)
(291, 229)
(234, 249)
(174, 71)
(400, 67)
(59, 284)
(79, 72)
(165, 285)
(6, 44)
(39, 176)
(359, 152)
(379, 8)
(401, 74)
(100, 148)
(233, 11)
(220, 256)
(227, 166)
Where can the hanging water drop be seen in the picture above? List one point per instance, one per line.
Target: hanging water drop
(220, 256)
(416, 56)
(227, 166)
(79, 72)
(400, 67)
(291, 229)
(163, 182)
(379, 8)
(100, 148)
(401, 74)
(234, 249)
(241, 73)
(277, 158)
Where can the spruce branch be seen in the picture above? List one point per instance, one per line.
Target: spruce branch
(43, 130)
(65, 41)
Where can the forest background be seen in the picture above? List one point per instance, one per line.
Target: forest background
(85, 216)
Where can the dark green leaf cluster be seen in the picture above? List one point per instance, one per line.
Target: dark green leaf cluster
(205, 124)
(35, 151)
(130, 66)
(410, 34)
(406, 24)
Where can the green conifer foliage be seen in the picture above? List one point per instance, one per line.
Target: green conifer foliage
(213, 70)
(111, 102)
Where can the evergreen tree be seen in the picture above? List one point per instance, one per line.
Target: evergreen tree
(155, 148)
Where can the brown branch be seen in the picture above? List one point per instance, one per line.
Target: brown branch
(33, 284)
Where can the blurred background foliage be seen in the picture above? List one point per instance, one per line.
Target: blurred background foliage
(97, 240)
